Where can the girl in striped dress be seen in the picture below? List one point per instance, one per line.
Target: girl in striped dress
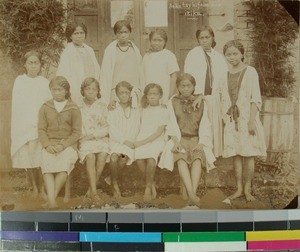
(123, 124)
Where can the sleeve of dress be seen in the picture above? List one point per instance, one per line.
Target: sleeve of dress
(42, 128)
(225, 100)
(188, 64)
(172, 126)
(172, 63)
(164, 117)
(255, 95)
(205, 134)
(102, 130)
(113, 130)
(76, 128)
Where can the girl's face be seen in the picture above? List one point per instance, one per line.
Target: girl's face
(233, 56)
(78, 36)
(90, 92)
(186, 88)
(205, 40)
(123, 35)
(153, 96)
(32, 66)
(58, 93)
(157, 43)
(123, 95)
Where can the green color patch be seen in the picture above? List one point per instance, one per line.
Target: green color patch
(204, 237)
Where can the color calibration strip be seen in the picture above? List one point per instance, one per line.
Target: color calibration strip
(151, 231)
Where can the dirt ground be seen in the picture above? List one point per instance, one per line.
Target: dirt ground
(16, 195)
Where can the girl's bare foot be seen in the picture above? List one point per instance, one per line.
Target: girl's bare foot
(195, 199)
(147, 195)
(153, 191)
(43, 195)
(66, 199)
(97, 200)
(249, 196)
(53, 206)
(236, 195)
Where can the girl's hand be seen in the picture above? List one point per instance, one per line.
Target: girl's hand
(50, 149)
(112, 105)
(177, 147)
(198, 148)
(251, 128)
(58, 148)
(86, 138)
(196, 104)
(129, 144)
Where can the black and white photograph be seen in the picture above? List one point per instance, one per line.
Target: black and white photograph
(149, 105)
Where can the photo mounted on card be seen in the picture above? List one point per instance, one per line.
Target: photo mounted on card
(149, 105)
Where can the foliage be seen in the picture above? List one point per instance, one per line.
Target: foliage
(273, 35)
(32, 24)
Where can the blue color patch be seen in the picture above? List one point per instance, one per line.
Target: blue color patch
(120, 237)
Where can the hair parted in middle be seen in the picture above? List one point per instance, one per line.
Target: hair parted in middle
(71, 27)
(161, 32)
(87, 82)
(62, 82)
(144, 101)
(211, 32)
(237, 44)
(124, 84)
(185, 76)
(120, 24)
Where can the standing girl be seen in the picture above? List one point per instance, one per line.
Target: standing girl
(123, 123)
(30, 91)
(121, 62)
(78, 60)
(59, 130)
(94, 140)
(243, 132)
(191, 142)
(150, 140)
(160, 65)
(208, 66)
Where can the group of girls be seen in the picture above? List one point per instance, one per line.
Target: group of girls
(142, 111)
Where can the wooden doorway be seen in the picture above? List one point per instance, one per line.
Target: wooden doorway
(186, 22)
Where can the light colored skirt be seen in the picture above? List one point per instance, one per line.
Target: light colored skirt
(28, 156)
(61, 162)
(150, 150)
(93, 146)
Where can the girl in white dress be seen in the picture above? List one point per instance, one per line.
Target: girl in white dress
(30, 91)
(208, 67)
(243, 132)
(160, 65)
(93, 148)
(150, 140)
(78, 60)
(123, 124)
(121, 62)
